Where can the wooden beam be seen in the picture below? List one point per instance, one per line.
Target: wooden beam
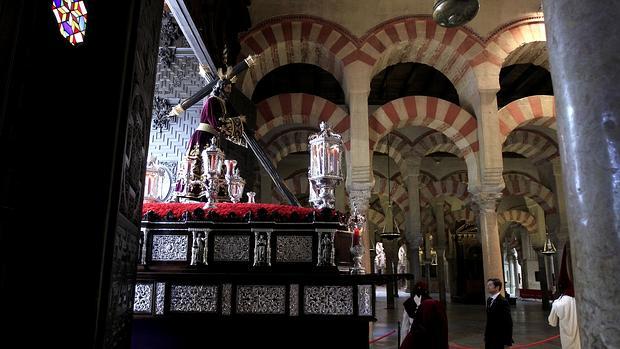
(185, 22)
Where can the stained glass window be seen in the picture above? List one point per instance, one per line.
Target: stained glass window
(71, 17)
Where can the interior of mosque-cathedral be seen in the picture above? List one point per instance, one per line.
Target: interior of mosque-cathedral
(472, 152)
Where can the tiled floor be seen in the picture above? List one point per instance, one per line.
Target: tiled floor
(466, 324)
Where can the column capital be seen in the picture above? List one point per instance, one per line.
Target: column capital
(487, 201)
(359, 195)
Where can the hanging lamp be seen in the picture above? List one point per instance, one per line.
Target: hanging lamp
(454, 13)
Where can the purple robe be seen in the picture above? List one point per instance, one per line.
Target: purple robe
(212, 110)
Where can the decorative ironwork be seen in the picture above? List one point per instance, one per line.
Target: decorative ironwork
(328, 300)
(231, 248)
(226, 292)
(193, 298)
(169, 248)
(364, 300)
(170, 32)
(259, 299)
(159, 298)
(293, 248)
(161, 121)
(262, 248)
(143, 298)
(326, 249)
(293, 300)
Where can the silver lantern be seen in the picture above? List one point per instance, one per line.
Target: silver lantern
(213, 159)
(325, 171)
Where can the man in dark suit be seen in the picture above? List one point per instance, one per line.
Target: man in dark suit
(498, 332)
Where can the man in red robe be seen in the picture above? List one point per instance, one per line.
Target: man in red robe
(429, 329)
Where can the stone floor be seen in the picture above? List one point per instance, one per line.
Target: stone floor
(466, 324)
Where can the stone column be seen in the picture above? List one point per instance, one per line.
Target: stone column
(583, 54)
(441, 248)
(490, 182)
(340, 198)
(489, 236)
(413, 235)
(359, 196)
(360, 179)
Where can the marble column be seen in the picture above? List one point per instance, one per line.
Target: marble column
(583, 54)
(560, 202)
(413, 235)
(441, 248)
(489, 236)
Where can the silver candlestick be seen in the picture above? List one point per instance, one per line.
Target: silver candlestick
(357, 224)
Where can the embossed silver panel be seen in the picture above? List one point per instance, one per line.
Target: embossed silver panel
(364, 300)
(231, 248)
(328, 300)
(169, 248)
(294, 300)
(293, 249)
(193, 298)
(226, 292)
(143, 298)
(258, 299)
(159, 298)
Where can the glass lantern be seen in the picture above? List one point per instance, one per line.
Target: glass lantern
(235, 186)
(213, 159)
(325, 171)
(151, 181)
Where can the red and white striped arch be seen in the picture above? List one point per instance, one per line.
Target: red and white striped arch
(432, 142)
(300, 109)
(398, 192)
(375, 217)
(440, 115)
(297, 183)
(533, 53)
(296, 39)
(513, 36)
(420, 39)
(526, 219)
(533, 145)
(459, 176)
(522, 185)
(399, 149)
(427, 221)
(290, 141)
(460, 215)
(536, 110)
(443, 188)
(426, 177)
